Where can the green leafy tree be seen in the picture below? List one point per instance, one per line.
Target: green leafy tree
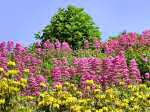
(72, 25)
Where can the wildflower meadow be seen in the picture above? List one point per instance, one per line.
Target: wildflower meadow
(111, 76)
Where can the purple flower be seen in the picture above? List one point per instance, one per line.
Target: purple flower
(40, 78)
(145, 59)
(65, 46)
(134, 71)
(97, 44)
(3, 45)
(48, 45)
(37, 44)
(10, 45)
(57, 44)
(20, 48)
(147, 75)
(56, 74)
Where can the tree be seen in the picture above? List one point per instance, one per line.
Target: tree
(72, 25)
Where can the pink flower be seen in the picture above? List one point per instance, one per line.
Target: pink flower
(65, 46)
(3, 45)
(134, 71)
(56, 74)
(97, 43)
(57, 44)
(48, 45)
(147, 75)
(10, 45)
(20, 48)
(37, 44)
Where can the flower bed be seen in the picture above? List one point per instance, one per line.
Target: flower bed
(51, 77)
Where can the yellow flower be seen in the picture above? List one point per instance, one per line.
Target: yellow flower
(74, 88)
(23, 80)
(58, 86)
(132, 98)
(66, 83)
(12, 72)
(96, 91)
(14, 89)
(27, 71)
(79, 93)
(140, 96)
(130, 86)
(118, 110)
(117, 102)
(90, 82)
(88, 88)
(50, 99)
(1, 69)
(2, 101)
(88, 110)
(15, 83)
(76, 108)
(43, 84)
(122, 83)
(71, 99)
(136, 107)
(41, 103)
(55, 105)
(98, 86)
(143, 86)
(11, 63)
(71, 85)
(123, 105)
(30, 97)
(110, 91)
(105, 109)
(4, 78)
(125, 100)
(82, 101)
(100, 110)
(102, 96)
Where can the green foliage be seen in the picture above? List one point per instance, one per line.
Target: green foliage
(90, 53)
(31, 48)
(72, 25)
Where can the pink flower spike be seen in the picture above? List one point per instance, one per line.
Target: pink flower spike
(10, 45)
(147, 75)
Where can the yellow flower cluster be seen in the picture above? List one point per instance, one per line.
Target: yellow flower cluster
(1, 69)
(12, 72)
(10, 88)
(90, 82)
(58, 86)
(132, 98)
(26, 71)
(11, 63)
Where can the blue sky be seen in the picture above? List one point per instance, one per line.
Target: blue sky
(20, 19)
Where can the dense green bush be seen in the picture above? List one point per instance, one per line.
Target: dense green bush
(72, 25)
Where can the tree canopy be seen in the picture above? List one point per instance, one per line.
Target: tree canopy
(72, 25)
